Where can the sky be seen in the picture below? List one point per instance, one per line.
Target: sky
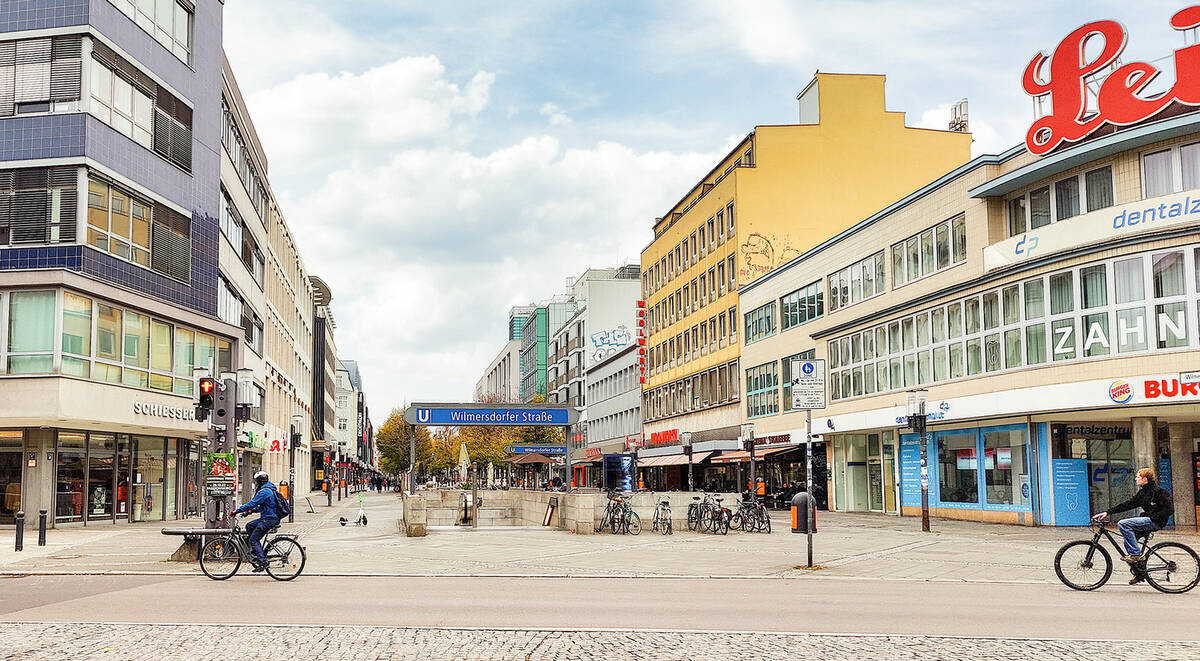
(441, 162)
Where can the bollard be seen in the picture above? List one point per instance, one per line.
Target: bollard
(328, 494)
(21, 530)
(41, 527)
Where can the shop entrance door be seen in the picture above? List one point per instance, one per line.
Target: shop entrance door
(1110, 472)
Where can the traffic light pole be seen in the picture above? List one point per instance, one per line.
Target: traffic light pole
(222, 436)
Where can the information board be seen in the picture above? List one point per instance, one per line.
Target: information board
(1072, 505)
(808, 384)
(910, 470)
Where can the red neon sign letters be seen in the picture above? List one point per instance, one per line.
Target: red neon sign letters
(1118, 101)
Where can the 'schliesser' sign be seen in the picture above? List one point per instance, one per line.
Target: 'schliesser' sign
(1101, 225)
(1118, 102)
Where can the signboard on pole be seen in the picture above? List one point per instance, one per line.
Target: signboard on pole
(540, 449)
(808, 384)
(474, 414)
(219, 473)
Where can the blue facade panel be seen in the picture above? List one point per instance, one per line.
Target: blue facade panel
(40, 14)
(43, 136)
(42, 257)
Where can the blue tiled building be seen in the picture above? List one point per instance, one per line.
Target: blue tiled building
(110, 144)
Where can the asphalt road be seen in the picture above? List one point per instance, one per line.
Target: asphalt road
(1116, 611)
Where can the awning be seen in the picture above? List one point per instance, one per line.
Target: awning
(742, 456)
(672, 460)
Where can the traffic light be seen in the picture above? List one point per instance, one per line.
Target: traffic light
(205, 404)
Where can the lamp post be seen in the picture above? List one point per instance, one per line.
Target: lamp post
(916, 421)
(748, 435)
(687, 447)
(297, 425)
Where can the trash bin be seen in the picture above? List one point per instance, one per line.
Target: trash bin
(804, 513)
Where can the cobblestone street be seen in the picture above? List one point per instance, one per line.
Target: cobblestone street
(123, 641)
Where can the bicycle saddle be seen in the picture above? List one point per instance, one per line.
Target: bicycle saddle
(665, 502)
(695, 497)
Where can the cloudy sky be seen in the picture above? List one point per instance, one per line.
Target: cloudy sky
(440, 162)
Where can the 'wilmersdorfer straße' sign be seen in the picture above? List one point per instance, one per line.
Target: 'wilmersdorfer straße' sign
(461, 415)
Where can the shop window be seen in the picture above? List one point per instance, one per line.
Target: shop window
(1006, 467)
(69, 476)
(958, 467)
(12, 462)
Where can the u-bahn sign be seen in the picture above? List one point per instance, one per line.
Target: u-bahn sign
(475, 414)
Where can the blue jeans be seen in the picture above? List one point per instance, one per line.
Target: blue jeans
(1130, 528)
(258, 529)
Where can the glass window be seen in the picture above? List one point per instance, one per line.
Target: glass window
(12, 463)
(1093, 289)
(1061, 293)
(1168, 274)
(160, 346)
(943, 245)
(909, 334)
(927, 250)
(148, 478)
(974, 356)
(1129, 278)
(1016, 216)
(954, 320)
(70, 474)
(898, 274)
(1012, 348)
(937, 324)
(1099, 187)
(77, 325)
(1039, 207)
(958, 466)
(940, 365)
(1156, 174)
(1006, 467)
(1095, 334)
(1189, 156)
(1062, 334)
(1131, 330)
(971, 312)
(101, 456)
(956, 360)
(1012, 304)
(923, 332)
(912, 258)
(991, 352)
(31, 326)
(1066, 198)
(108, 333)
(991, 310)
(1172, 327)
(1035, 344)
(137, 340)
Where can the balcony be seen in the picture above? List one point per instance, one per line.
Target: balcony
(574, 373)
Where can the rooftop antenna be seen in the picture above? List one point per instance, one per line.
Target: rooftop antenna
(958, 117)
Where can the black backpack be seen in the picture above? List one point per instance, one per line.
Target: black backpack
(282, 508)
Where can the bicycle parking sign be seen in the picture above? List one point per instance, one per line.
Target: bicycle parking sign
(808, 384)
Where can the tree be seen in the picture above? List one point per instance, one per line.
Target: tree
(392, 439)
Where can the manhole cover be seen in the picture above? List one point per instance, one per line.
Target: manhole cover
(63, 557)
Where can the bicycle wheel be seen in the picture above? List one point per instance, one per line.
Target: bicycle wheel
(1083, 566)
(633, 523)
(669, 531)
(616, 522)
(285, 558)
(737, 521)
(693, 517)
(707, 517)
(220, 558)
(765, 525)
(722, 521)
(1172, 567)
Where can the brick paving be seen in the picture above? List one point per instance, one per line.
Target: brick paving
(334, 643)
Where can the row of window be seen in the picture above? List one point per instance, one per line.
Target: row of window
(760, 322)
(1127, 305)
(168, 21)
(714, 387)
(38, 205)
(137, 230)
(107, 343)
(857, 282)
(802, 306)
(618, 425)
(702, 290)
(1171, 170)
(623, 380)
(233, 309)
(930, 251)
(1063, 199)
(700, 340)
(704, 239)
(235, 146)
(763, 385)
(241, 238)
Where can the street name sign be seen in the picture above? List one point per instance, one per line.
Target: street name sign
(540, 449)
(808, 384)
(462, 415)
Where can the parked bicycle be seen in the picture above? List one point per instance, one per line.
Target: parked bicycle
(610, 512)
(715, 517)
(221, 557)
(662, 518)
(1086, 565)
(625, 519)
(751, 516)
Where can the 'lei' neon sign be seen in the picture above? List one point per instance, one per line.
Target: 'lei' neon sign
(1118, 101)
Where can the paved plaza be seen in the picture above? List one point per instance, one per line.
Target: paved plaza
(124, 641)
(851, 546)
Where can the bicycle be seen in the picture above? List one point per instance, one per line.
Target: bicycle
(716, 517)
(662, 518)
(630, 522)
(693, 517)
(751, 516)
(1168, 566)
(221, 557)
(610, 514)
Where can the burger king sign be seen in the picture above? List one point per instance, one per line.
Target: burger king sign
(1120, 392)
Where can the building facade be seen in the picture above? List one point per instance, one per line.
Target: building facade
(324, 417)
(1048, 304)
(501, 381)
(781, 191)
(614, 411)
(110, 122)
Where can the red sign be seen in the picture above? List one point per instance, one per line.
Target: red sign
(664, 437)
(633, 442)
(1156, 388)
(592, 452)
(1118, 102)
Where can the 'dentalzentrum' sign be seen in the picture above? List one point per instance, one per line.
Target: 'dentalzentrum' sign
(1104, 224)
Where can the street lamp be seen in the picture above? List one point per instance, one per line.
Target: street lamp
(687, 447)
(748, 436)
(916, 421)
(297, 425)
(245, 393)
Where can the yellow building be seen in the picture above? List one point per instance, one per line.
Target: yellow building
(781, 191)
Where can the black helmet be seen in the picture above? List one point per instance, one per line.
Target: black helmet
(261, 478)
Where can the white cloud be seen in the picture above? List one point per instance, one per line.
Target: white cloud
(554, 114)
(985, 139)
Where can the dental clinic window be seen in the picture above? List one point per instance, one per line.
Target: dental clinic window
(168, 21)
(1171, 170)
(1063, 199)
(857, 282)
(1128, 305)
(937, 248)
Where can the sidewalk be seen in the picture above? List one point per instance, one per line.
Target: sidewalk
(847, 546)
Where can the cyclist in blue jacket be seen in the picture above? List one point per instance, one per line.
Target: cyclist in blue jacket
(263, 502)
